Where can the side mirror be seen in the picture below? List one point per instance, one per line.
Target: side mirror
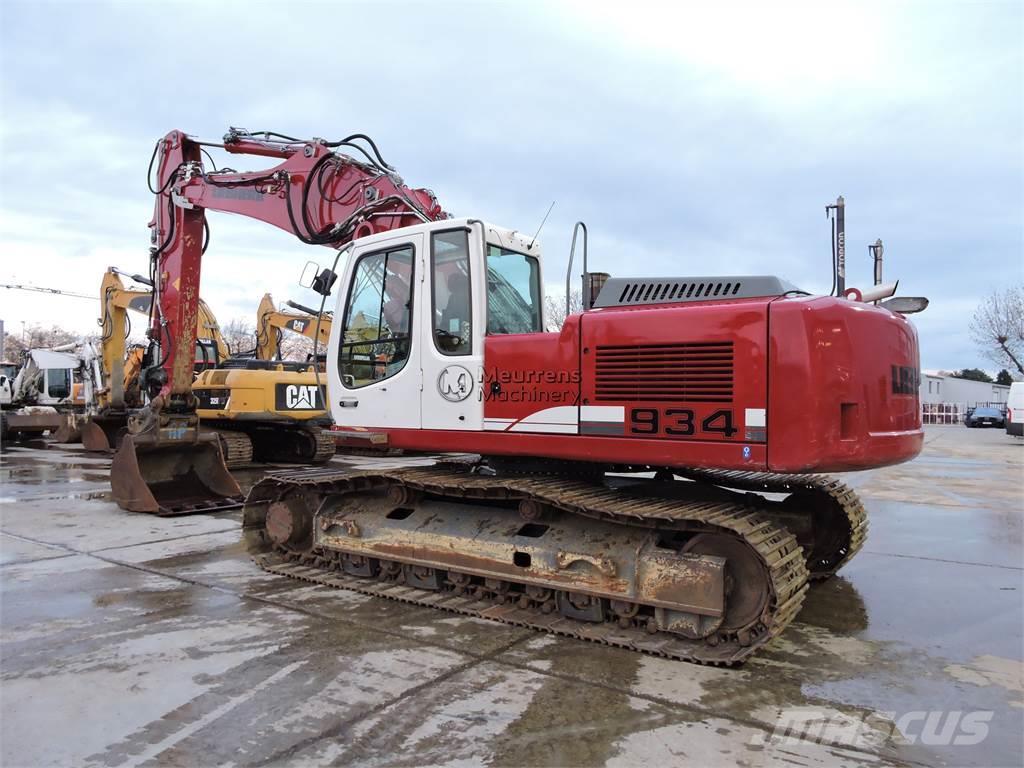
(317, 279)
(323, 282)
(309, 274)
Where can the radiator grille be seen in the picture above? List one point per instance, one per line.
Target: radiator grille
(698, 371)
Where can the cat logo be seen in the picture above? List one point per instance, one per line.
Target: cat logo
(297, 397)
(455, 383)
(299, 326)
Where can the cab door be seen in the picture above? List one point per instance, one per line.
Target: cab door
(452, 318)
(375, 375)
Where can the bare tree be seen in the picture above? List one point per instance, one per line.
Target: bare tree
(554, 308)
(240, 336)
(297, 347)
(36, 336)
(998, 327)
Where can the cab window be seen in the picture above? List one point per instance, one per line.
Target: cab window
(58, 382)
(375, 341)
(513, 292)
(453, 321)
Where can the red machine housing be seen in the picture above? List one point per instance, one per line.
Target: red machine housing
(782, 384)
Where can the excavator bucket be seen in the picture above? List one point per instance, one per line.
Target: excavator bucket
(101, 434)
(172, 476)
(69, 430)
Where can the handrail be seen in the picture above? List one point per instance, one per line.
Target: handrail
(572, 253)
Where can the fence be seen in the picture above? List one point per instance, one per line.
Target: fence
(954, 413)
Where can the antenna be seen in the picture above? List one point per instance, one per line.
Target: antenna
(530, 246)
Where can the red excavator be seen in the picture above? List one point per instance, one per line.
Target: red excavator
(649, 476)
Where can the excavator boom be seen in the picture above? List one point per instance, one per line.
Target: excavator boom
(318, 194)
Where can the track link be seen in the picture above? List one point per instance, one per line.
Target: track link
(779, 553)
(237, 447)
(847, 537)
(325, 447)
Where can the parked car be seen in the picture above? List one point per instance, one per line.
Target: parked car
(1015, 410)
(984, 417)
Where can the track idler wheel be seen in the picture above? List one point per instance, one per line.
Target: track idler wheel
(827, 543)
(289, 523)
(746, 582)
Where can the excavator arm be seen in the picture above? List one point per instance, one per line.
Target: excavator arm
(321, 195)
(271, 323)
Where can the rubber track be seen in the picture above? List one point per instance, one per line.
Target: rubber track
(777, 548)
(769, 482)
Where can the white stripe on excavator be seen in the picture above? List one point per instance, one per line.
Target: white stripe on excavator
(562, 414)
(616, 413)
(523, 426)
(562, 419)
(499, 425)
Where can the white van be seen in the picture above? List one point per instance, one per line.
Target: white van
(1015, 410)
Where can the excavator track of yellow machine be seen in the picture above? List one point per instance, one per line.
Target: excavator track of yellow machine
(657, 567)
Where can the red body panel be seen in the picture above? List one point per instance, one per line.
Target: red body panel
(843, 387)
(526, 373)
(786, 385)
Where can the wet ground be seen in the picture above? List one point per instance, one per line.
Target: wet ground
(130, 640)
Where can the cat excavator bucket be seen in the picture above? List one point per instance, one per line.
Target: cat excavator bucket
(172, 472)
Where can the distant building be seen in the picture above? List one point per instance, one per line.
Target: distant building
(941, 387)
(946, 399)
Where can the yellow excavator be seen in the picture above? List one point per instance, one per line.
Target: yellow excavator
(263, 411)
(272, 322)
(121, 366)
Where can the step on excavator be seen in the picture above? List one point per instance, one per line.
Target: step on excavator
(649, 476)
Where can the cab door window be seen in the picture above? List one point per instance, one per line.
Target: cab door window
(376, 338)
(513, 292)
(453, 321)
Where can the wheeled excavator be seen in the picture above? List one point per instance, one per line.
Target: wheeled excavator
(650, 476)
(236, 395)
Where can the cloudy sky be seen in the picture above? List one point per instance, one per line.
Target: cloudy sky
(692, 139)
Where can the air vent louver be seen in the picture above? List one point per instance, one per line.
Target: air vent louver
(689, 372)
(633, 291)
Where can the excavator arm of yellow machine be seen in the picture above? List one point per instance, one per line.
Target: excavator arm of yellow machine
(121, 366)
(272, 322)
